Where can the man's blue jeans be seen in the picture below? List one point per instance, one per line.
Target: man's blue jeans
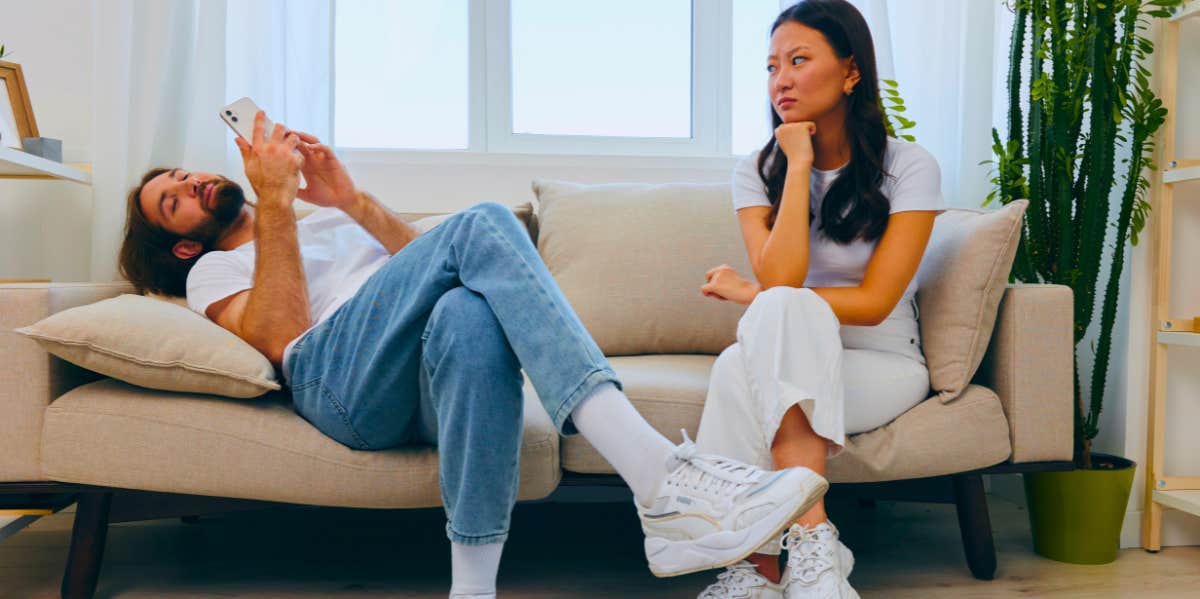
(431, 348)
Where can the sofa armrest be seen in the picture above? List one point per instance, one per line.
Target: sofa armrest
(1029, 364)
(30, 378)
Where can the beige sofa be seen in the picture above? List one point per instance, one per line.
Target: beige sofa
(66, 430)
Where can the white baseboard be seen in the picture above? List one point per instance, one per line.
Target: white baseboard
(1008, 486)
(1178, 529)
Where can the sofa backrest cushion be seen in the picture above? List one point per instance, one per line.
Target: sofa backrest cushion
(631, 260)
(960, 282)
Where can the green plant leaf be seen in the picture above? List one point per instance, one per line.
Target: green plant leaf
(1082, 118)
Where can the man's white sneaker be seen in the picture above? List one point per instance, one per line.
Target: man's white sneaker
(742, 581)
(711, 512)
(818, 564)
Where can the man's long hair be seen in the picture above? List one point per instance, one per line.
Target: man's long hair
(146, 258)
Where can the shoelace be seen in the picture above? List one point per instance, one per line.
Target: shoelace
(739, 577)
(711, 474)
(810, 555)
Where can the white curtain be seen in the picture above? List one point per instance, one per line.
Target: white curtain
(944, 53)
(280, 54)
(163, 70)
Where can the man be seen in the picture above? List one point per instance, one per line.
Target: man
(388, 338)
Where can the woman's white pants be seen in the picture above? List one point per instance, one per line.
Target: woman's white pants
(792, 351)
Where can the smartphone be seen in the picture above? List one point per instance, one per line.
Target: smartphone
(240, 117)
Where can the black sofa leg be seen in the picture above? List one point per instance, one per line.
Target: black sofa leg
(87, 546)
(974, 524)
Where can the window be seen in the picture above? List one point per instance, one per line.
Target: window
(401, 74)
(621, 68)
(657, 77)
(750, 107)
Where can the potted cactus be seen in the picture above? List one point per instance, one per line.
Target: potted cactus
(1079, 145)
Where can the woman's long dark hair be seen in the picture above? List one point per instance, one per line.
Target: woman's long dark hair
(854, 207)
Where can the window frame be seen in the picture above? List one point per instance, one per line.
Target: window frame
(490, 117)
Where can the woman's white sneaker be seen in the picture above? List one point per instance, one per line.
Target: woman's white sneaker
(711, 512)
(818, 564)
(742, 581)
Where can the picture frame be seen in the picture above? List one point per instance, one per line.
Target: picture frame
(16, 112)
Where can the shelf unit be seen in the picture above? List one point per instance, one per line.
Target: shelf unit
(1167, 492)
(18, 165)
(15, 164)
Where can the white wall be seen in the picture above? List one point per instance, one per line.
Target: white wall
(45, 226)
(420, 185)
(1183, 365)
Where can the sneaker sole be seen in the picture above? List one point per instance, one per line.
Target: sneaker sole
(676, 558)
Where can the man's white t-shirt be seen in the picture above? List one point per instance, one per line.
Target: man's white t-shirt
(338, 257)
(915, 184)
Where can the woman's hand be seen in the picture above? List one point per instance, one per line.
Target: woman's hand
(724, 283)
(326, 181)
(795, 139)
(272, 162)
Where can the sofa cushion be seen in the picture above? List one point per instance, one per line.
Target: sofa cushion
(668, 390)
(109, 433)
(424, 223)
(961, 278)
(929, 440)
(631, 260)
(155, 344)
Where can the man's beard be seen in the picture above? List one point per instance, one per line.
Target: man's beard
(229, 200)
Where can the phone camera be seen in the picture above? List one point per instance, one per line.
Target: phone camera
(229, 112)
(235, 119)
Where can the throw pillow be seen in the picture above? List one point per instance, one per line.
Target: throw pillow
(961, 280)
(631, 259)
(156, 344)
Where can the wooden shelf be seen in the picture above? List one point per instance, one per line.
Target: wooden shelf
(1189, 10)
(15, 164)
(1184, 501)
(1187, 339)
(1161, 491)
(1180, 325)
(14, 513)
(1180, 174)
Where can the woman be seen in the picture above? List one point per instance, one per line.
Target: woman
(835, 217)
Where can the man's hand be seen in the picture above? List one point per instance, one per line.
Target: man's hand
(724, 283)
(328, 183)
(272, 163)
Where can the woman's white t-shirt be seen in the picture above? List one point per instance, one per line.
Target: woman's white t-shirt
(915, 183)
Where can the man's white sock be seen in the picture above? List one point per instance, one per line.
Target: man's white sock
(473, 570)
(615, 428)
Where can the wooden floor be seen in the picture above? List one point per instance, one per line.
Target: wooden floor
(557, 550)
